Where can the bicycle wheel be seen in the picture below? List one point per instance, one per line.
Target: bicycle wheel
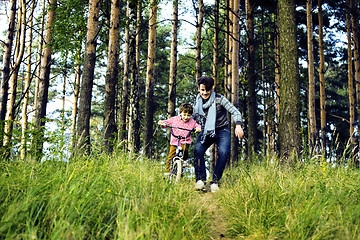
(176, 169)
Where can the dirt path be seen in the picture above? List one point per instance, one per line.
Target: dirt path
(218, 222)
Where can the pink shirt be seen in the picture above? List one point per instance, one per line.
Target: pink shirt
(177, 122)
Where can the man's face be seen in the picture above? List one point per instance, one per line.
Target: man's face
(185, 116)
(205, 94)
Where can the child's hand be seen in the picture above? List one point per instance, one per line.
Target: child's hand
(162, 123)
(198, 129)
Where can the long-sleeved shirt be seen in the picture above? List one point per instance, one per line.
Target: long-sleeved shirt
(223, 105)
(178, 122)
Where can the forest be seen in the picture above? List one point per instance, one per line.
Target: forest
(84, 84)
(97, 75)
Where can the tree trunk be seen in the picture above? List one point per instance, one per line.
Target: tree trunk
(322, 80)
(134, 121)
(277, 81)
(83, 128)
(149, 88)
(311, 96)
(350, 75)
(173, 60)
(40, 56)
(125, 84)
(19, 53)
(75, 103)
(110, 130)
(216, 42)
(235, 78)
(6, 68)
(44, 79)
(251, 81)
(264, 86)
(229, 27)
(356, 42)
(289, 124)
(198, 39)
(24, 117)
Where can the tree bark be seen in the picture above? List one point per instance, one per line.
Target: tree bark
(235, 78)
(173, 60)
(289, 124)
(149, 88)
(6, 68)
(322, 80)
(251, 81)
(134, 119)
(311, 94)
(83, 127)
(44, 79)
(77, 77)
(356, 42)
(198, 39)
(24, 116)
(125, 83)
(350, 75)
(19, 53)
(109, 132)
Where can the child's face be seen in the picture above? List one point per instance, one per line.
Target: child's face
(185, 116)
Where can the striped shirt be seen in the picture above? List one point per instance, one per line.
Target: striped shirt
(223, 105)
(178, 122)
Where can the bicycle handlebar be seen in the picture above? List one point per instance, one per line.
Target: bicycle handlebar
(179, 136)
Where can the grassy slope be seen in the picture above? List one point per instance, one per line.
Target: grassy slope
(120, 198)
(311, 202)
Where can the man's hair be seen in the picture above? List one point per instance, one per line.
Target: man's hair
(186, 108)
(207, 81)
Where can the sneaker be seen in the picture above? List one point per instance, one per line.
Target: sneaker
(199, 185)
(166, 174)
(214, 187)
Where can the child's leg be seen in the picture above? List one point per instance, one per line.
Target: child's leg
(172, 151)
(185, 148)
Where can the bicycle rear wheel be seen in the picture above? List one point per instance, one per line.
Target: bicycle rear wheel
(176, 169)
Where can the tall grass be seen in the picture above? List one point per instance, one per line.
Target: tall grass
(314, 201)
(98, 197)
(121, 197)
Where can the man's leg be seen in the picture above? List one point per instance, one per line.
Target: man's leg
(199, 159)
(223, 141)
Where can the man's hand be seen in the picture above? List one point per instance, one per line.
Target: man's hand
(239, 132)
(198, 129)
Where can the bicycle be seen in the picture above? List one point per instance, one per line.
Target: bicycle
(178, 164)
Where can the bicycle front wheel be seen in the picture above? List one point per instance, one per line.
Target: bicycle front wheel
(176, 169)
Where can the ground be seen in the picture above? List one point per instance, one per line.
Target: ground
(218, 222)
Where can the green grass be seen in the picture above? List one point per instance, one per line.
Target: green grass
(96, 198)
(310, 202)
(117, 197)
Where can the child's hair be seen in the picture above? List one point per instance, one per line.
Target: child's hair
(207, 81)
(186, 108)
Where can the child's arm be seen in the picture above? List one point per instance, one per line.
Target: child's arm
(197, 127)
(162, 123)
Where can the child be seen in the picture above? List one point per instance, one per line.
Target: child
(184, 120)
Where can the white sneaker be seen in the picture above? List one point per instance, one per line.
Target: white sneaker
(214, 187)
(199, 185)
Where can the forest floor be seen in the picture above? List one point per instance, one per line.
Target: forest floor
(218, 226)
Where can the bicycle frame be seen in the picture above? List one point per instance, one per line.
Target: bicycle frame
(177, 162)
